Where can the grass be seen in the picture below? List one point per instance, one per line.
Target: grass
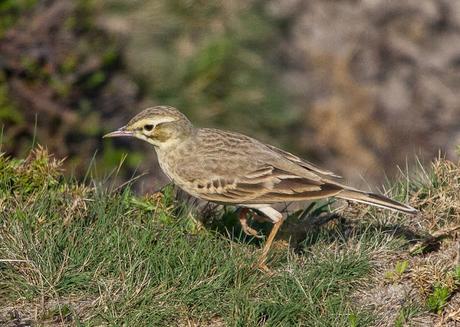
(74, 254)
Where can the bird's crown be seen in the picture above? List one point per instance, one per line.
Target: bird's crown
(158, 115)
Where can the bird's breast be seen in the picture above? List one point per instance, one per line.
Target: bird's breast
(166, 164)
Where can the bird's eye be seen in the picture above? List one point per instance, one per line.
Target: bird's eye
(148, 127)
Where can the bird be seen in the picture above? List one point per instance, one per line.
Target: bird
(230, 168)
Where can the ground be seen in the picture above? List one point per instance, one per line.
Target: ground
(89, 253)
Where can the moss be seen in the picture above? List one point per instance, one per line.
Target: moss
(9, 112)
(11, 10)
(39, 171)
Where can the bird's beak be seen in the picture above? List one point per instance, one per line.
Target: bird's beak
(119, 132)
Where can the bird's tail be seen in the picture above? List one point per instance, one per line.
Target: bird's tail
(375, 200)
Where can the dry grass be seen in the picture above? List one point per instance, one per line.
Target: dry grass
(419, 283)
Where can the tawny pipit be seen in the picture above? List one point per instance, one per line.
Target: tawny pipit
(231, 168)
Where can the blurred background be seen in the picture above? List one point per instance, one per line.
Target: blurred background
(359, 87)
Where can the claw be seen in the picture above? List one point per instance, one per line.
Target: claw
(244, 224)
(250, 231)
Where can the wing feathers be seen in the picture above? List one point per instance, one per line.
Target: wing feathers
(269, 185)
(305, 164)
(265, 185)
(297, 185)
(376, 200)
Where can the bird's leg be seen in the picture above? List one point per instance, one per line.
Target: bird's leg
(243, 217)
(268, 244)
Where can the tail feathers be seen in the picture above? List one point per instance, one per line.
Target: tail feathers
(375, 200)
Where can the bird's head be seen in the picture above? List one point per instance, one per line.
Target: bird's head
(161, 126)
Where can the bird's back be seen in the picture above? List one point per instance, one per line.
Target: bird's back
(213, 152)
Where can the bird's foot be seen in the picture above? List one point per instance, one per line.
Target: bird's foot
(250, 231)
(244, 224)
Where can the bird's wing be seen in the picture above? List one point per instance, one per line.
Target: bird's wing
(303, 163)
(264, 185)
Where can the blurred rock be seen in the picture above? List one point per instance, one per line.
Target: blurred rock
(382, 80)
(359, 87)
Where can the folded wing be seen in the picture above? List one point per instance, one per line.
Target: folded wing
(264, 185)
(303, 163)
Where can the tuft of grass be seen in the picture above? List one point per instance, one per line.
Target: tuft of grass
(406, 313)
(399, 269)
(438, 299)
